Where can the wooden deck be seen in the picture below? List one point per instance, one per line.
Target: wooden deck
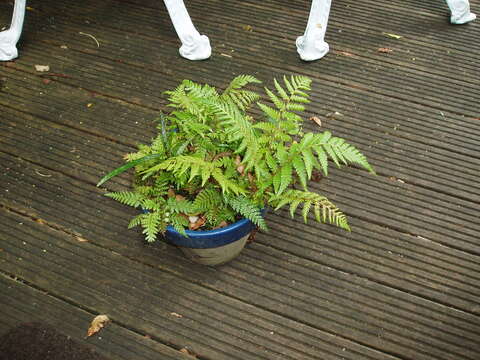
(405, 284)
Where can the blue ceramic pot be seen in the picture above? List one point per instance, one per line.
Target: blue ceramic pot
(212, 247)
(210, 238)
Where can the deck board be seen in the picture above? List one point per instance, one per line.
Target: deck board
(403, 285)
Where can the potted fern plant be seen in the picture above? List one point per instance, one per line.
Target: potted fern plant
(216, 163)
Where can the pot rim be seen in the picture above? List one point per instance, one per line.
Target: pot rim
(204, 239)
(208, 233)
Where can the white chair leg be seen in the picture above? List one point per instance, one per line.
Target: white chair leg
(312, 46)
(194, 46)
(460, 10)
(10, 37)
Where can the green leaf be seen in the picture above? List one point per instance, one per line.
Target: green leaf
(127, 166)
(294, 107)
(286, 177)
(301, 171)
(150, 223)
(293, 206)
(127, 198)
(277, 181)
(309, 160)
(272, 164)
(322, 158)
(306, 209)
(275, 100)
(288, 85)
(281, 91)
(137, 220)
(270, 112)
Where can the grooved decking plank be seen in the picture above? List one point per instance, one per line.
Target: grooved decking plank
(21, 303)
(423, 161)
(421, 83)
(444, 219)
(362, 325)
(402, 285)
(72, 262)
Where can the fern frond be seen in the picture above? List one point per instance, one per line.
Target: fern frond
(207, 199)
(134, 156)
(349, 154)
(265, 126)
(127, 197)
(239, 82)
(281, 91)
(285, 178)
(300, 83)
(323, 159)
(294, 107)
(279, 104)
(271, 162)
(137, 220)
(338, 150)
(151, 225)
(226, 184)
(309, 161)
(289, 86)
(180, 206)
(215, 216)
(239, 127)
(152, 205)
(247, 209)
(242, 98)
(179, 223)
(324, 209)
(292, 117)
(301, 170)
(271, 113)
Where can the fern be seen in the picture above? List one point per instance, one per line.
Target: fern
(151, 225)
(324, 210)
(339, 151)
(127, 198)
(242, 98)
(179, 223)
(215, 158)
(207, 199)
(248, 209)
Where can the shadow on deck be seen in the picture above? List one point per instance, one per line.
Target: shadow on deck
(405, 284)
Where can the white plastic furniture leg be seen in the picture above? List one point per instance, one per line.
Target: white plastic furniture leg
(312, 46)
(460, 10)
(194, 46)
(10, 37)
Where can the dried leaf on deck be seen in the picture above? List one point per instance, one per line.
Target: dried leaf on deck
(188, 352)
(97, 324)
(384, 50)
(42, 68)
(81, 239)
(317, 120)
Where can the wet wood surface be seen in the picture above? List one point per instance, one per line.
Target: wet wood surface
(404, 284)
